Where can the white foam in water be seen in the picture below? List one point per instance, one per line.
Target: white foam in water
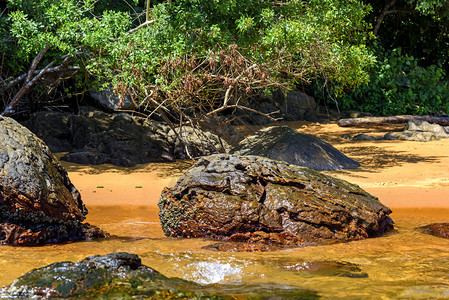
(210, 272)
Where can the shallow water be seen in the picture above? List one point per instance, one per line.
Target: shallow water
(404, 264)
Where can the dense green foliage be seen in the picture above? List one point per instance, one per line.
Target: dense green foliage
(412, 49)
(399, 85)
(196, 50)
(208, 54)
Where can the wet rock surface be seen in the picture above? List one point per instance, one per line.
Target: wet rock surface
(38, 203)
(286, 144)
(437, 229)
(95, 137)
(122, 276)
(323, 268)
(266, 202)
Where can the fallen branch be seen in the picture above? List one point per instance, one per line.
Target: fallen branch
(378, 121)
(22, 77)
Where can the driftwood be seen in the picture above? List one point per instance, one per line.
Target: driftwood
(378, 121)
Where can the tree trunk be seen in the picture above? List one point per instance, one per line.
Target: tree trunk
(377, 121)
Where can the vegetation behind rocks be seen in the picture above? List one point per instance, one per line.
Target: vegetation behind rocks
(187, 59)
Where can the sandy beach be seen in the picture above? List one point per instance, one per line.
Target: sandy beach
(402, 174)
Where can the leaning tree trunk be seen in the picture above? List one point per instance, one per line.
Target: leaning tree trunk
(377, 121)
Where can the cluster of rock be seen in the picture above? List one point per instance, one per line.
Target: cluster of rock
(38, 203)
(259, 200)
(421, 131)
(417, 130)
(95, 137)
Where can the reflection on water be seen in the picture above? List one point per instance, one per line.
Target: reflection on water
(405, 264)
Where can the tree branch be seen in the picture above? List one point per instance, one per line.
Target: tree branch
(382, 15)
(236, 80)
(25, 88)
(147, 23)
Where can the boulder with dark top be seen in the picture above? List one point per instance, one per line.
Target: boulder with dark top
(122, 276)
(262, 201)
(286, 144)
(95, 137)
(38, 203)
(437, 229)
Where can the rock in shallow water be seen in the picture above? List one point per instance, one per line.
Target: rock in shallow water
(38, 203)
(437, 229)
(122, 276)
(262, 201)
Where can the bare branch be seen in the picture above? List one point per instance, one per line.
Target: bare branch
(22, 77)
(36, 62)
(145, 24)
(236, 80)
(25, 88)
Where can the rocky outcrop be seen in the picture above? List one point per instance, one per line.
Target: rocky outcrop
(259, 200)
(420, 131)
(38, 203)
(122, 276)
(95, 137)
(286, 144)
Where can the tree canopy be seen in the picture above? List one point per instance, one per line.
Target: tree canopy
(211, 55)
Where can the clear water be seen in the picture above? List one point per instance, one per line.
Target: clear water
(405, 264)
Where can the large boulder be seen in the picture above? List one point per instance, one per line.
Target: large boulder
(286, 144)
(95, 137)
(122, 276)
(38, 203)
(259, 200)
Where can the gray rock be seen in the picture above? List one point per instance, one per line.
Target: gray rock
(296, 106)
(286, 144)
(38, 203)
(364, 137)
(108, 98)
(420, 131)
(259, 200)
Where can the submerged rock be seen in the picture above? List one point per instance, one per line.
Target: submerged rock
(437, 229)
(286, 144)
(122, 275)
(259, 200)
(323, 268)
(38, 203)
